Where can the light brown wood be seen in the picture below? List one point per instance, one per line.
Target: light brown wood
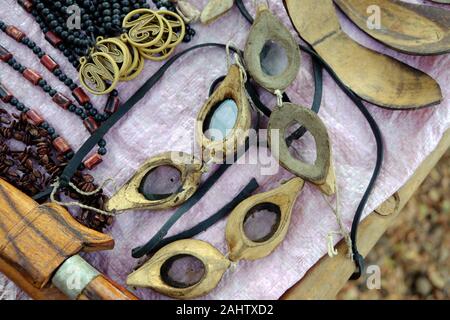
(47, 293)
(150, 276)
(283, 197)
(321, 173)
(130, 197)
(37, 239)
(329, 275)
(102, 288)
(375, 77)
(423, 30)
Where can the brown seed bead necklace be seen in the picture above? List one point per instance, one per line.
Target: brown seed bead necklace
(38, 163)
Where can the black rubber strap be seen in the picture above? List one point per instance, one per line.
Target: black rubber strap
(357, 257)
(185, 207)
(254, 96)
(318, 80)
(81, 154)
(158, 240)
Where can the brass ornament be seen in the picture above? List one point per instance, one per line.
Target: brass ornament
(232, 87)
(130, 197)
(321, 173)
(265, 28)
(99, 73)
(118, 50)
(144, 31)
(174, 24)
(160, 56)
(150, 36)
(423, 30)
(166, 45)
(150, 274)
(136, 66)
(283, 198)
(375, 77)
(162, 44)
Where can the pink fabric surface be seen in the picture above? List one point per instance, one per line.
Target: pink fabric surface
(164, 121)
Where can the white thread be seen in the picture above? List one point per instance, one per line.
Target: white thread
(56, 186)
(206, 166)
(233, 264)
(256, 3)
(228, 52)
(243, 72)
(237, 60)
(342, 230)
(279, 95)
(332, 251)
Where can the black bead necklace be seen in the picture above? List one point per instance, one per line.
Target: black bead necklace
(88, 113)
(97, 18)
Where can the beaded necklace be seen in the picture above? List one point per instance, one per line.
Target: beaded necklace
(90, 116)
(45, 148)
(50, 64)
(98, 18)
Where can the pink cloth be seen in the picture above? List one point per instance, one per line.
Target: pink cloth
(164, 121)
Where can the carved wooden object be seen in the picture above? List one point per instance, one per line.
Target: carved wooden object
(267, 27)
(406, 27)
(130, 196)
(36, 240)
(375, 77)
(283, 197)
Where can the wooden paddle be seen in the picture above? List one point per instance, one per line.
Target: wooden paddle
(374, 77)
(406, 27)
(36, 242)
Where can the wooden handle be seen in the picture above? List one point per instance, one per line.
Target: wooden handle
(36, 239)
(102, 288)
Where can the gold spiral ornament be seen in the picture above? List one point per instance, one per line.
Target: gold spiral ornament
(171, 38)
(136, 66)
(178, 23)
(118, 50)
(151, 35)
(144, 31)
(162, 44)
(96, 74)
(159, 56)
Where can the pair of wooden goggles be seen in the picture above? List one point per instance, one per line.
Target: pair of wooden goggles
(164, 271)
(182, 172)
(273, 60)
(151, 35)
